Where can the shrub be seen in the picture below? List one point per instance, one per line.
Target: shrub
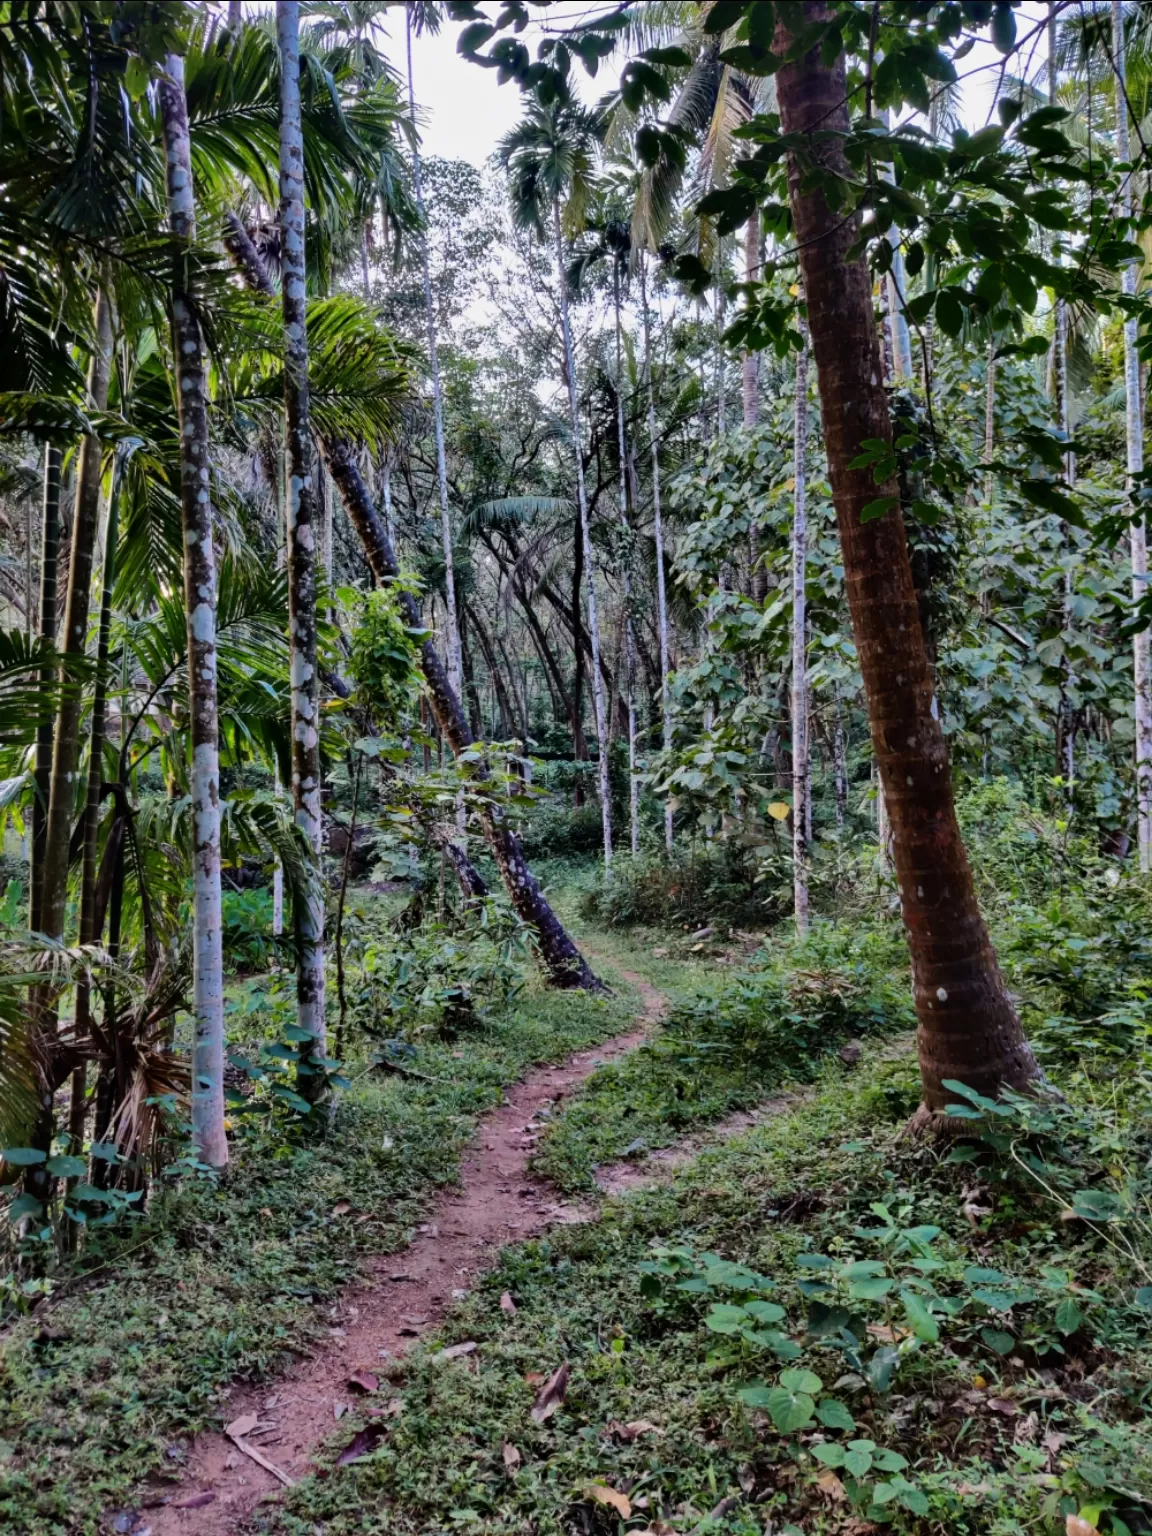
(716, 884)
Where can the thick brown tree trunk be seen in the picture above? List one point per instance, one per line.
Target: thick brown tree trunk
(968, 1027)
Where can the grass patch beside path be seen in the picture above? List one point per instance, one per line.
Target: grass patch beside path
(996, 1401)
(104, 1384)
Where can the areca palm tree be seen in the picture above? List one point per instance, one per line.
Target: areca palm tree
(548, 159)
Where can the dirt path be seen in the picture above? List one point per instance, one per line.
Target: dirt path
(403, 1296)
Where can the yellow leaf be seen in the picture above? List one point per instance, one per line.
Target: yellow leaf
(831, 1486)
(779, 811)
(794, 290)
(620, 1502)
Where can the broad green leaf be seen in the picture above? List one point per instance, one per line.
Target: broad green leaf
(23, 1157)
(800, 1381)
(1068, 1316)
(833, 1414)
(724, 1318)
(923, 1324)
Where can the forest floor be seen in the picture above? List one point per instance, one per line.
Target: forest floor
(577, 1279)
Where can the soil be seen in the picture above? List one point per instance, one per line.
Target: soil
(402, 1297)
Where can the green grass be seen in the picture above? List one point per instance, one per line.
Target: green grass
(104, 1382)
(998, 1438)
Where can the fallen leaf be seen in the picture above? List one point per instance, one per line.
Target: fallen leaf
(512, 1458)
(454, 1351)
(620, 1502)
(395, 1408)
(534, 1378)
(339, 1410)
(831, 1486)
(341, 1208)
(550, 1395)
(197, 1501)
(242, 1426)
(362, 1443)
(1003, 1405)
(1074, 1526)
(507, 1304)
(1052, 1441)
(266, 1210)
(633, 1430)
(366, 1381)
(972, 1490)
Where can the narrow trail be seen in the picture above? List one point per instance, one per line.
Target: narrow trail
(402, 1297)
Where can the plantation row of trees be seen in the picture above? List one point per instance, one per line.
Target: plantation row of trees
(271, 360)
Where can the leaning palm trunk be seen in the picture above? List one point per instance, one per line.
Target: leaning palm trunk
(968, 1027)
(658, 536)
(800, 758)
(565, 965)
(208, 1132)
(302, 526)
(455, 667)
(586, 538)
(629, 633)
(1141, 655)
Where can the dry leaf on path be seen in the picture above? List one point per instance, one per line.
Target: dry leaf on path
(512, 1457)
(362, 1443)
(831, 1486)
(454, 1351)
(341, 1208)
(366, 1381)
(507, 1304)
(242, 1426)
(1074, 1526)
(631, 1431)
(550, 1395)
(620, 1502)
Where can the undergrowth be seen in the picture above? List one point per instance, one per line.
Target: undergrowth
(103, 1384)
(728, 1048)
(820, 1327)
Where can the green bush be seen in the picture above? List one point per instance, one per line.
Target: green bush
(693, 889)
(555, 831)
(247, 927)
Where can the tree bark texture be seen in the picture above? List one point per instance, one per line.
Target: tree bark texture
(586, 538)
(629, 636)
(800, 756)
(208, 1131)
(302, 528)
(1141, 643)
(968, 1028)
(658, 536)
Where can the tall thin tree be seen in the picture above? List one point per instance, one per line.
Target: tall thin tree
(657, 536)
(208, 1130)
(800, 752)
(302, 528)
(452, 622)
(1134, 418)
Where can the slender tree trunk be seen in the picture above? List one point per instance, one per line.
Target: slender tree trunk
(200, 611)
(455, 671)
(1141, 655)
(629, 636)
(586, 537)
(302, 526)
(800, 762)
(658, 536)
(565, 965)
(895, 294)
(840, 763)
(750, 367)
(50, 553)
(721, 401)
(579, 743)
(968, 1027)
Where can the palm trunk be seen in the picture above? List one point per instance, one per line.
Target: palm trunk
(968, 1027)
(721, 401)
(50, 552)
(301, 525)
(586, 537)
(1141, 655)
(658, 535)
(629, 637)
(800, 764)
(208, 1130)
(455, 671)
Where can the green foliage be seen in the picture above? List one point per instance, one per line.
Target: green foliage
(384, 653)
(710, 885)
(247, 927)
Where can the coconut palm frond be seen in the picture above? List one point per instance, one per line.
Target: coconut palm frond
(514, 512)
